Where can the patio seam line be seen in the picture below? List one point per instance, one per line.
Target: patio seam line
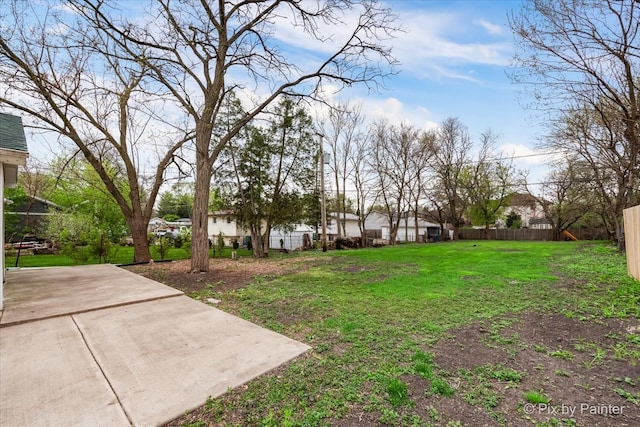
(53, 316)
(101, 370)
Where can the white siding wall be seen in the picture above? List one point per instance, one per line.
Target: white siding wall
(1, 235)
(351, 226)
(229, 230)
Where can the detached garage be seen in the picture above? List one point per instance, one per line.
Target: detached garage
(13, 153)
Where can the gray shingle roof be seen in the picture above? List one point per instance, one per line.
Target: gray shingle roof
(12, 133)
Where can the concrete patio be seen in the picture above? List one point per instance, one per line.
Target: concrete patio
(101, 346)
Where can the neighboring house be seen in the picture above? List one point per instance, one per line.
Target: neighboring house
(528, 207)
(406, 229)
(155, 223)
(350, 224)
(426, 231)
(30, 216)
(159, 227)
(540, 224)
(13, 153)
(224, 222)
(377, 225)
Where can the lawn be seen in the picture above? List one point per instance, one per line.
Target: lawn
(448, 334)
(118, 255)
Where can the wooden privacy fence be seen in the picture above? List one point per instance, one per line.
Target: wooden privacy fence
(632, 240)
(531, 234)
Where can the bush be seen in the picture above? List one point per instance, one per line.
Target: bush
(162, 246)
(79, 254)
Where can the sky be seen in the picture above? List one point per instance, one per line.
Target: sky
(454, 58)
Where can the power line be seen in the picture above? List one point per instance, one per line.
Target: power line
(524, 156)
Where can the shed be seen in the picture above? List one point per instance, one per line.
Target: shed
(291, 239)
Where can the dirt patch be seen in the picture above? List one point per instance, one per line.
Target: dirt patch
(579, 366)
(223, 274)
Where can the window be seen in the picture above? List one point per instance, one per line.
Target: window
(228, 220)
(215, 219)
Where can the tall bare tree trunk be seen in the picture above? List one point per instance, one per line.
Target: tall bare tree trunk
(199, 222)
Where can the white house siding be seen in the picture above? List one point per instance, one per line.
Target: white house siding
(351, 225)
(1, 234)
(218, 223)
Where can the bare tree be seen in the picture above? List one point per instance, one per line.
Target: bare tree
(362, 179)
(488, 182)
(566, 194)
(418, 166)
(606, 153)
(201, 51)
(341, 131)
(391, 151)
(451, 157)
(70, 79)
(584, 56)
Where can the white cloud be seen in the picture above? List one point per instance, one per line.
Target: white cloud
(493, 29)
(396, 112)
(432, 45)
(436, 44)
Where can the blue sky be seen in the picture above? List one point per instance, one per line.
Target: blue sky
(454, 58)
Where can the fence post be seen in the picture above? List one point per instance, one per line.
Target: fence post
(631, 218)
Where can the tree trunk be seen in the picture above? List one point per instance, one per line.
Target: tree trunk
(141, 251)
(258, 247)
(406, 228)
(620, 235)
(265, 243)
(199, 222)
(456, 232)
(138, 228)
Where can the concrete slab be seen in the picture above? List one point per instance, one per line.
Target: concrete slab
(41, 293)
(166, 356)
(48, 377)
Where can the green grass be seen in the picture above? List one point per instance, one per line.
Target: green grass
(441, 387)
(118, 255)
(397, 391)
(536, 397)
(372, 315)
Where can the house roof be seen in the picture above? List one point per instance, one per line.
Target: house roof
(41, 206)
(526, 200)
(227, 212)
(537, 221)
(12, 133)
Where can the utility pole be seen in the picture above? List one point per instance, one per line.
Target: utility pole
(323, 205)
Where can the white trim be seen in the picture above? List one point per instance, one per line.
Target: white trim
(13, 157)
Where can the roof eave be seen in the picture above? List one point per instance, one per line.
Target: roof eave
(14, 157)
